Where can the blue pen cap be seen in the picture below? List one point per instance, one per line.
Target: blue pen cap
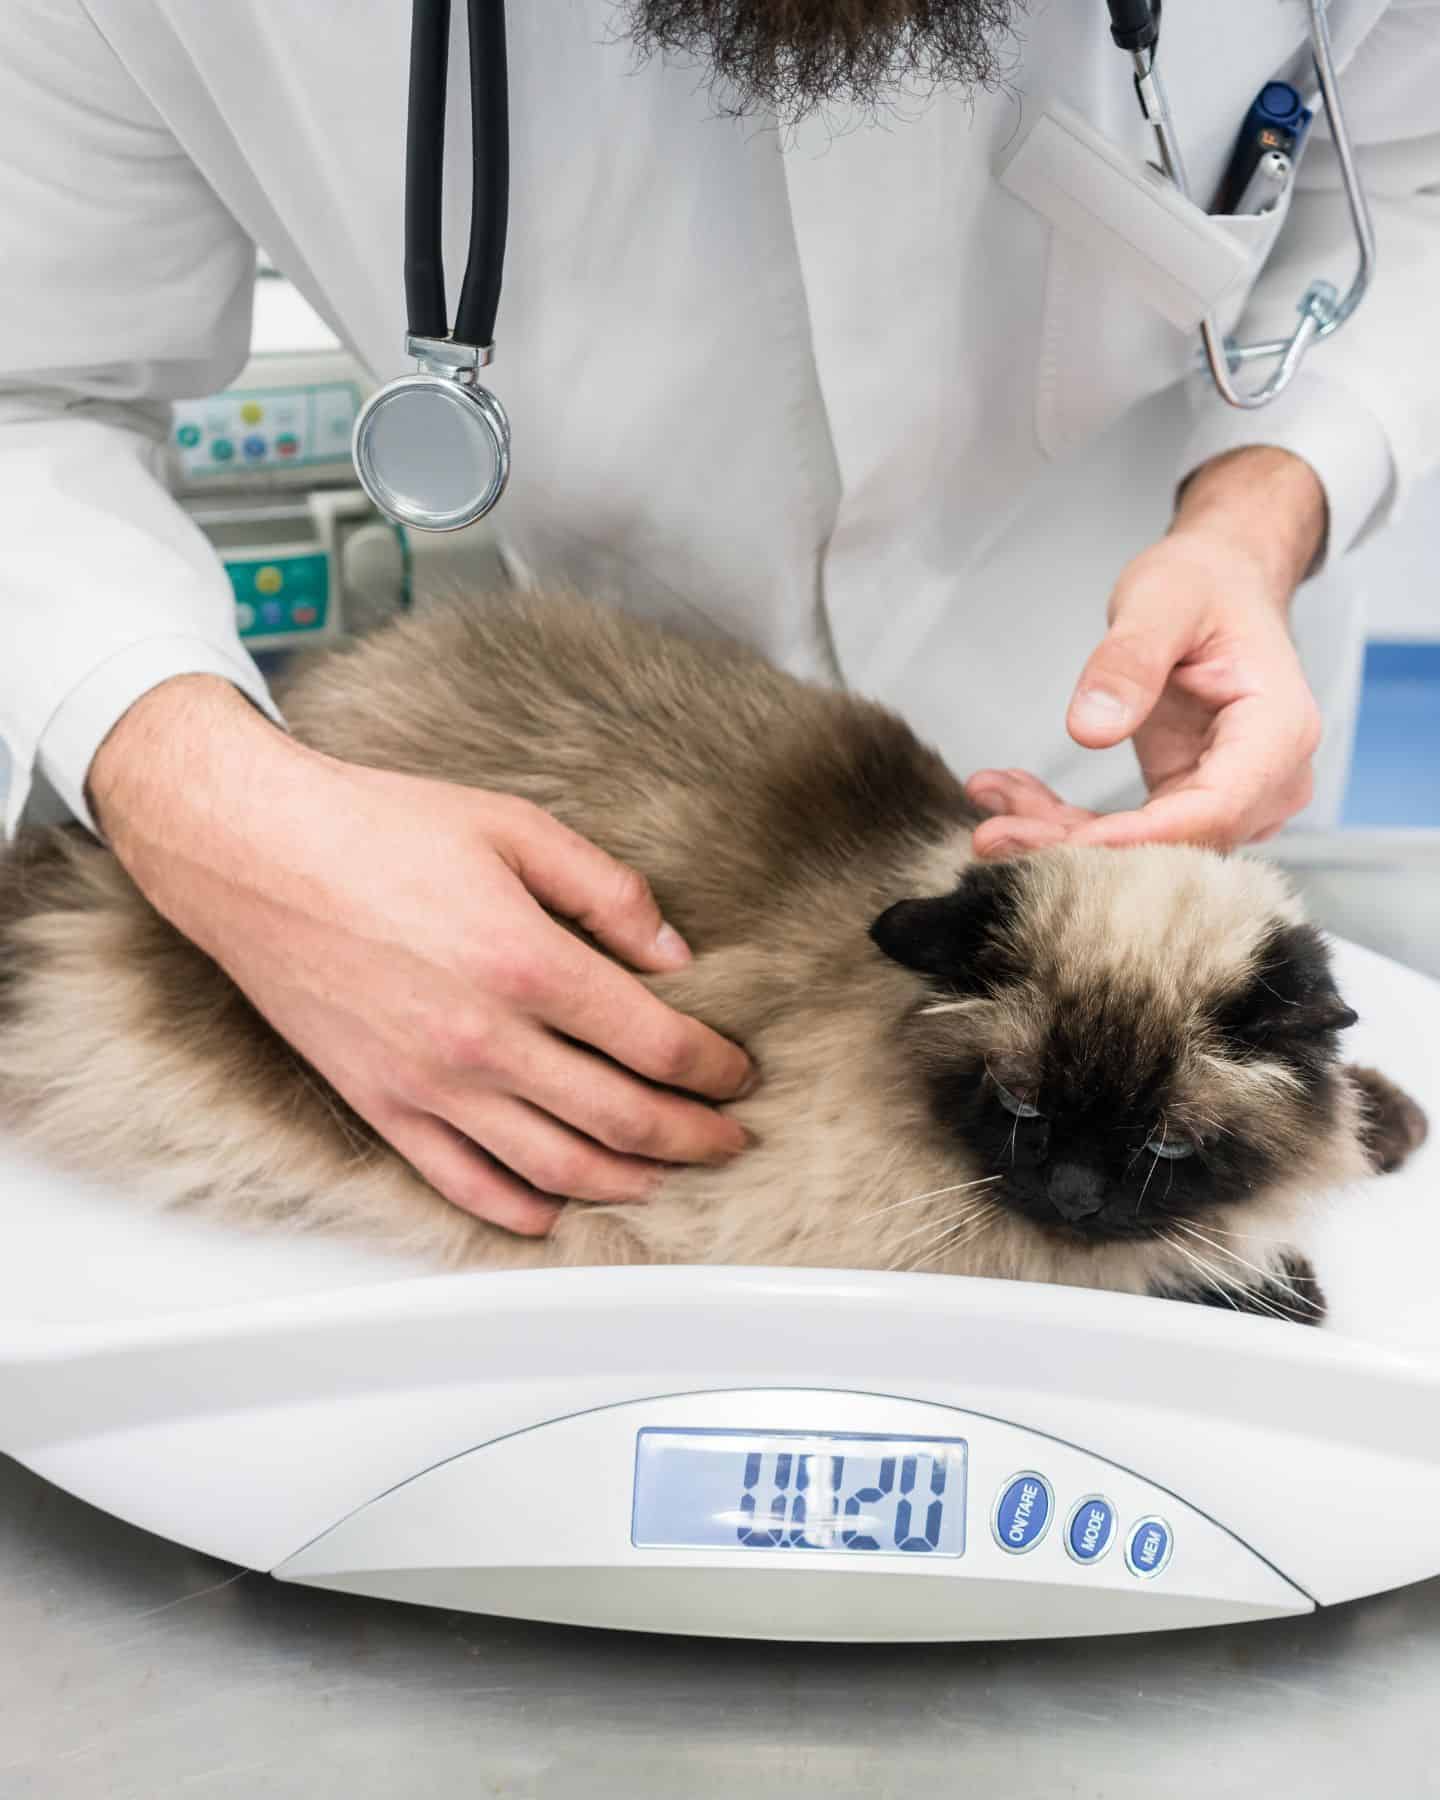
(1280, 104)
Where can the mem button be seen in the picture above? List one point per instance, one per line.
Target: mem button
(1149, 1548)
(1022, 1513)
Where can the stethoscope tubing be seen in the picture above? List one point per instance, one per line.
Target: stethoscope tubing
(426, 308)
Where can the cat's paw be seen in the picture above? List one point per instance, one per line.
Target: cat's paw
(1290, 1291)
(1393, 1126)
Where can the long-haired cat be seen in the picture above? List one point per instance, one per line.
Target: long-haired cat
(1107, 1068)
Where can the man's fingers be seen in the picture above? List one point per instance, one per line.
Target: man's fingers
(1154, 627)
(1016, 794)
(999, 838)
(611, 1107)
(1242, 782)
(550, 1156)
(602, 1005)
(578, 880)
(467, 1177)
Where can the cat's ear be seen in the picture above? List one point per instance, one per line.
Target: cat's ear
(959, 936)
(1289, 992)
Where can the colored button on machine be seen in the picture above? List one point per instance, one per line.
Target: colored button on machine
(254, 447)
(286, 444)
(222, 450)
(1091, 1529)
(1149, 1548)
(244, 616)
(188, 436)
(269, 579)
(304, 615)
(252, 412)
(1022, 1513)
(272, 613)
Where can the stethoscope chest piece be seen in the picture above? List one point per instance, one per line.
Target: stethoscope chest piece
(432, 450)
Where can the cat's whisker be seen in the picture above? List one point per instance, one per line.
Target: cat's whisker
(949, 1248)
(1271, 1277)
(1212, 1277)
(1145, 1189)
(960, 1187)
(950, 1229)
(954, 1219)
(1227, 1290)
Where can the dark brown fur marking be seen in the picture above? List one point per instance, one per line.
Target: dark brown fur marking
(1394, 1127)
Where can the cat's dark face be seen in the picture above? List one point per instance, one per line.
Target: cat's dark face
(1127, 1041)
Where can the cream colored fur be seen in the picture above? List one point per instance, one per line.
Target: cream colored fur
(124, 1051)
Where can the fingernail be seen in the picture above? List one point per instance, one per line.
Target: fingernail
(670, 945)
(748, 1086)
(990, 799)
(1099, 710)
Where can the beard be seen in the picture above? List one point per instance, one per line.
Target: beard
(794, 57)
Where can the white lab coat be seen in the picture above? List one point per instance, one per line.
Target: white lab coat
(841, 392)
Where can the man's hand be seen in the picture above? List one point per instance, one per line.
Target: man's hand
(1199, 670)
(395, 931)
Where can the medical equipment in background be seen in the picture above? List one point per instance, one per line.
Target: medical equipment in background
(432, 449)
(1135, 27)
(778, 1453)
(264, 470)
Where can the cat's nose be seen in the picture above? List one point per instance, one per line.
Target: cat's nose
(1074, 1190)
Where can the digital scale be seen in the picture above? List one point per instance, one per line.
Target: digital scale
(763, 1453)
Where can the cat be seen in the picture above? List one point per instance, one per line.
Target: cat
(1107, 1068)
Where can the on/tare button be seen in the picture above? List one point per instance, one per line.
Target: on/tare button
(1022, 1513)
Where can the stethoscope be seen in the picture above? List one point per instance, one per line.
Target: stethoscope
(1135, 27)
(432, 449)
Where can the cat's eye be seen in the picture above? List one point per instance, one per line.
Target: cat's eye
(1012, 1103)
(1173, 1149)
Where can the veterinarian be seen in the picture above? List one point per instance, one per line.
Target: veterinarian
(836, 385)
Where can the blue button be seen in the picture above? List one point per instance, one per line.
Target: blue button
(1022, 1513)
(1149, 1548)
(254, 446)
(1091, 1530)
(272, 612)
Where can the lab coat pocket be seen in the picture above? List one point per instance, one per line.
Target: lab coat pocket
(1105, 348)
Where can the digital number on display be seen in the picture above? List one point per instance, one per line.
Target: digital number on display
(736, 1490)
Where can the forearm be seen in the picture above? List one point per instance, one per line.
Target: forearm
(1266, 503)
(107, 590)
(190, 777)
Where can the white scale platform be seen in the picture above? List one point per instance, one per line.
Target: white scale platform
(578, 1445)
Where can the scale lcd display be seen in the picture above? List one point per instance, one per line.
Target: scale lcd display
(771, 1490)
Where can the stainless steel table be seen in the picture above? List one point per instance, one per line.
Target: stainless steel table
(134, 1670)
